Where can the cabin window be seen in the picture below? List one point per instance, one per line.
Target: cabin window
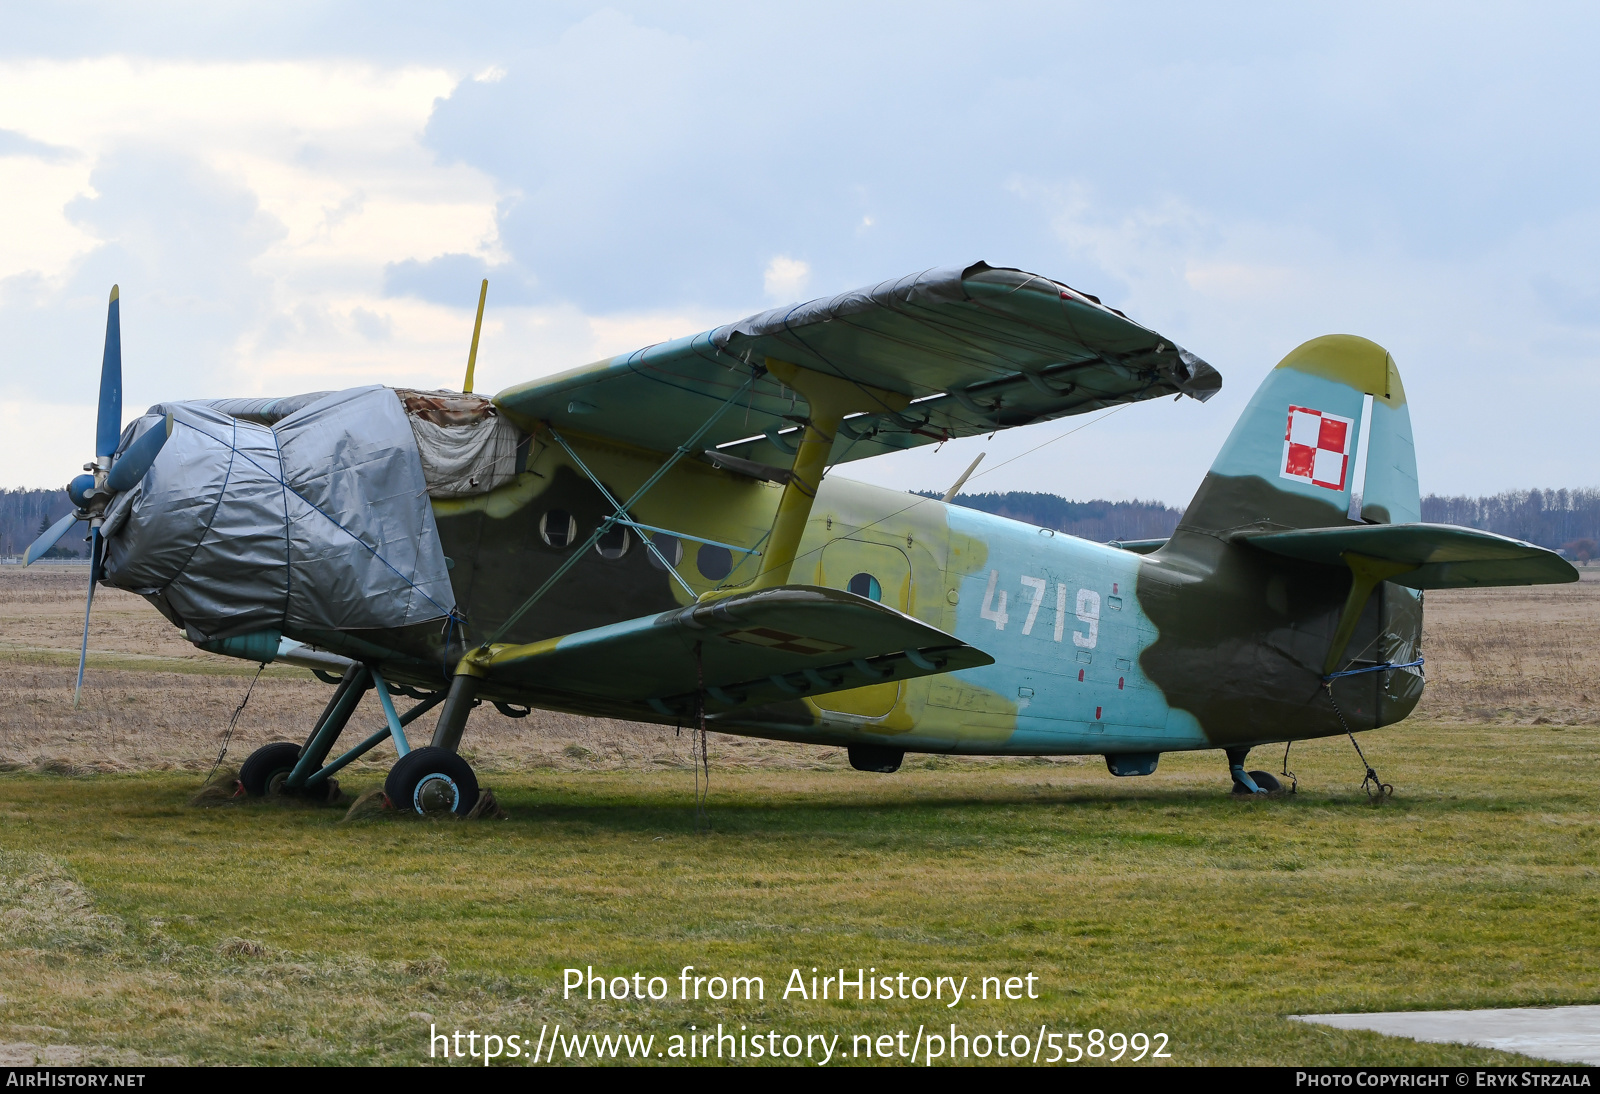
(713, 562)
(558, 528)
(669, 548)
(614, 544)
(866, 585)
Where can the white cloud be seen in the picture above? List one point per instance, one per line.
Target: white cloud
(1239, 184)
(785, 278)
(37, 237)
(248, 211)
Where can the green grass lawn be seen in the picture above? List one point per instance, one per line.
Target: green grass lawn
(135, 923)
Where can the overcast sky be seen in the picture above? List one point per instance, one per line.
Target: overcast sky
(304, 196)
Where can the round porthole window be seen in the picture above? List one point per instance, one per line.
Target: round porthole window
(713, 562)
(614, 544)
(866, 585)
(558, 528)
(669, 548)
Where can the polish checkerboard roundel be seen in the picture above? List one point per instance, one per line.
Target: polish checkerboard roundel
(1316, 448)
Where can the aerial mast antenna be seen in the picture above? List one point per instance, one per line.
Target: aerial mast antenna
(955, 487)
(477, 328)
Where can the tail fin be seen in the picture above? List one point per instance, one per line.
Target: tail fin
(1292, 458)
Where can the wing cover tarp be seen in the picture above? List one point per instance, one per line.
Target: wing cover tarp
(752, 648)
(976, 348)
(320, 521)
(1446, 557)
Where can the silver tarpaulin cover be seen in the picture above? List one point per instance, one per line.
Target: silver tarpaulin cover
(321, 521)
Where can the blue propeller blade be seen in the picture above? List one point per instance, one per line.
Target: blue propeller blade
(133, 463)
(48, 539)
(94, 577)
(108, 426)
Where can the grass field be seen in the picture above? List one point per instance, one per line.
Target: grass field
(135, 926)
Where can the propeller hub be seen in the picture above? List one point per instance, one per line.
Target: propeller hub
(79, 489)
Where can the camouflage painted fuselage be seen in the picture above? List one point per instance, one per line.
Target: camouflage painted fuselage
(1208, 642)
(1097, 649)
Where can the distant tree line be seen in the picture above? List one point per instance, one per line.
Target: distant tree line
(1566, 520)
(1097, 520)
(26, 513)
(1562, 519)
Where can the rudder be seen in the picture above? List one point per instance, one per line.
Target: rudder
(1291, 460)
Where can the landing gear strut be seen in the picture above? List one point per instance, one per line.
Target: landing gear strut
(1250, 782)
(433, 780)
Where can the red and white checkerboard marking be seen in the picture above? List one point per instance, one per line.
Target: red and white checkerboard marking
(1316, 448)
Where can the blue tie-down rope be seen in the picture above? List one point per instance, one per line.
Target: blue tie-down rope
(1385, 667)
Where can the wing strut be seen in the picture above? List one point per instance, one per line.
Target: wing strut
(688, 447)
(469, 670)
(828, 400)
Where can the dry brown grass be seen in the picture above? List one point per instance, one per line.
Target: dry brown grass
(152, 701)
(1519, 655)
(136, 927)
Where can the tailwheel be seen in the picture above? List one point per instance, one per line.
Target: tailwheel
(1267, 782)
(262, 775)
(432, 782)
(1250, 784)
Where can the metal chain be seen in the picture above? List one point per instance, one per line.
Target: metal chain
(1374, 787)
(702, 813)
(234, 721)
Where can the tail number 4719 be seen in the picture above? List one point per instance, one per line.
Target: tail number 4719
(1087, 609)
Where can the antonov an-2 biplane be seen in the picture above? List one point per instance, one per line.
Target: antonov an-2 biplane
(655, 537)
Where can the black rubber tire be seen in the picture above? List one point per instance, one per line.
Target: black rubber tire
(885, 761)
(432, 766)
(1266, 780)
(265, 764)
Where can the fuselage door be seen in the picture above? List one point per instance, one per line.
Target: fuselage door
(878, 572)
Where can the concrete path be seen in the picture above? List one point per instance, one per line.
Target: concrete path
(1568, 1034)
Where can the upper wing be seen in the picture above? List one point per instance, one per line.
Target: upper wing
(742, 651)
(976, 349)
(1445, 556)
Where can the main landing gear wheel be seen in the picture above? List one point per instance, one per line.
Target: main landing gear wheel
(432, 782)
(263, 773)
(1267, 781)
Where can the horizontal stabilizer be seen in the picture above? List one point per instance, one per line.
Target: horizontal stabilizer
(753, 648)
(1443, 556)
